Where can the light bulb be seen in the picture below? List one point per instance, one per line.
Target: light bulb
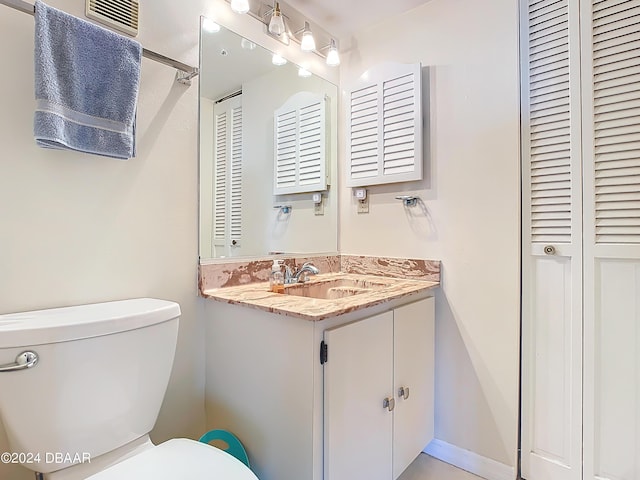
(210, 26)
(240, 6)
(308, 43)
(276, 24)
(303, 72)
(333, 57)
(278, 60)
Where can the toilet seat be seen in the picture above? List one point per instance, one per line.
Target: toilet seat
(178, 458)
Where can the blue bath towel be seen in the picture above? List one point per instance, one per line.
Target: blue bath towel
(87, 80)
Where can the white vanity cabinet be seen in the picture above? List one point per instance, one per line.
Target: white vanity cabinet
(265, 383)
(378, 393)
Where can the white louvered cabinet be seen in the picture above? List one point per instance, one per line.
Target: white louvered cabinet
(384, 126)
(581, 239)
(300, 140)
(227, 177)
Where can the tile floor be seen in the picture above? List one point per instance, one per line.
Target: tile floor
(428, 468)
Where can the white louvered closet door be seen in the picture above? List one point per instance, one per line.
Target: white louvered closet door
(551, 239)
(611, 133)
(227, 178)
(609, 157)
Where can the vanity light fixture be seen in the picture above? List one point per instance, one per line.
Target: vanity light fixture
(308, 43)
(278, 60)
(240, 6)
(333, 57)
(303, 72)
(276, 24)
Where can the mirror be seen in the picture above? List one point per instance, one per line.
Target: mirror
(241, 212)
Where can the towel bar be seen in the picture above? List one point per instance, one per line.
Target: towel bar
(185, 72)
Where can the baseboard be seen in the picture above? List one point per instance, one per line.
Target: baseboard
(471, 462)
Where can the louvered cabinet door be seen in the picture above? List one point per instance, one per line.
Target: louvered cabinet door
(384, 126)
(551, 239)
(611, 139)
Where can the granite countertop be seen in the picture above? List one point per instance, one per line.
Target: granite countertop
(347, 292)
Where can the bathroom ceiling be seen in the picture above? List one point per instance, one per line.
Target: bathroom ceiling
(343, 17)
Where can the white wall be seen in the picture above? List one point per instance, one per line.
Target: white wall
(470, 215)
(78, 229)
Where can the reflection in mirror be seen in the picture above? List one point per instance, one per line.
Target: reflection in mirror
(268, 152)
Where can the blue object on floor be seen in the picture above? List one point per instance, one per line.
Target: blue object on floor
(234, 446)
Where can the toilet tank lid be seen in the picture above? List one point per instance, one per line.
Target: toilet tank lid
(83, 321)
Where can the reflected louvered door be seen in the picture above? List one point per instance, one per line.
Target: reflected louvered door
(552, 225)
(611, 133)
(300, 145)
(384, 126)
(235, 180)
(227, 181)
(220, 183)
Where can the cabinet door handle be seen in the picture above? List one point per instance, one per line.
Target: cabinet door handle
(389, 403)
(403, 392)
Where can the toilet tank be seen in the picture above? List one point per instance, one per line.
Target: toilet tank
(102, 373)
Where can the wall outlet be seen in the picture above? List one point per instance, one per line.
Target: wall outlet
(318, 208)
(363, 205)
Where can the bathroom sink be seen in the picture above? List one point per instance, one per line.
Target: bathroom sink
(335, 288)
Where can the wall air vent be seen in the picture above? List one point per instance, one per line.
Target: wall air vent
(121, 15)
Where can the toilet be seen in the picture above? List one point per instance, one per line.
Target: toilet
(81, 388)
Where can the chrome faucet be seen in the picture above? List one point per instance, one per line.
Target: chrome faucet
(301, 275)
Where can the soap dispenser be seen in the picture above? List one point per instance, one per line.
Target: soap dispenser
(276, 279)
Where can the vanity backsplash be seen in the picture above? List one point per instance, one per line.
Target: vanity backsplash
(234, 273)
(409, 268)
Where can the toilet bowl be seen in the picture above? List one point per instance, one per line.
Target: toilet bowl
(81, 388)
